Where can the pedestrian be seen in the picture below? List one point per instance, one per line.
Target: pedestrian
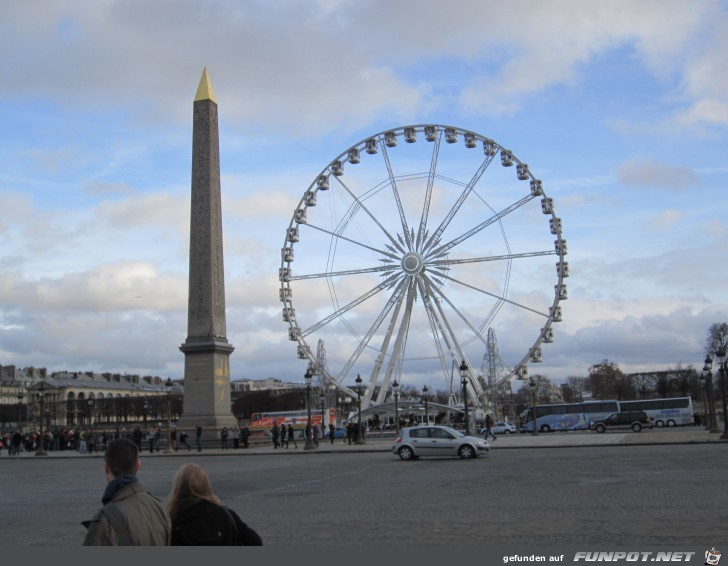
(316, 434)
(224, 438)
(136, 437)
(245, 435)
(198, 516)
(332, 433)
(150, 440)
(349, 431)
(173, 438)
(91, 442)
(235, 435)
(198, 430)
(275, 431)
(130, 516)
(489, 428)
(183, 440)
(157, 436)
(284, 435)
(291, 436)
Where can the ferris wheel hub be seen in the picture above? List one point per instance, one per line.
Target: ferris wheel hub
(412, 263)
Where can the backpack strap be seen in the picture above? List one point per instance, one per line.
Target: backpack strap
(234, 524)
(118, 523)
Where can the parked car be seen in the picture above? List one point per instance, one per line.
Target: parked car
(434, 440)
(634, 420)
(504, 428)
(501, 428)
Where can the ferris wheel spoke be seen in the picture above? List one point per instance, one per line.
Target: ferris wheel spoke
(395, 192)
(478, 333)
(506, 257)
(498, 216)
(435, 328)
(340, 237)
(437, 234)
(376, 369)
(519, 305)
(457, 350)
(395, 299)
(323, 274)
(373, 291)
(363, 207)
(428, 192)
(398, 347)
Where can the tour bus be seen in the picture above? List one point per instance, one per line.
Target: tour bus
(675, 411)
(260, 422)
(567, 416)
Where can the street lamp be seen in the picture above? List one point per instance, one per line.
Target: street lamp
(395, 388)
(40, 451)
(322, 399)
(532, 386)
(20, 409)
(464, 381)
(168, 386)
(359, 391)
(706, 420)
(723, 369)
(708, 373)
(308, 376)
(425, 392)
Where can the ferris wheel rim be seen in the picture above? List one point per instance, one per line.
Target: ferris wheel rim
(413, 261)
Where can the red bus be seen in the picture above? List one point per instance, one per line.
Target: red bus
(297, 419)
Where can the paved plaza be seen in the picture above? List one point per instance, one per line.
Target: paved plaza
(656, 487)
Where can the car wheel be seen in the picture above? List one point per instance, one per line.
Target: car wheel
(659, 424)
(545, 428)
(600, 428)
(636, 427)
(466, 451)
(406, 453)
(671, 423)
(507, 431)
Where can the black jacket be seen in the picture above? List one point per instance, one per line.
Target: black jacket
(202, 523)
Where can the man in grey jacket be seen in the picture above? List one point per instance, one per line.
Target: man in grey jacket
(131, 516)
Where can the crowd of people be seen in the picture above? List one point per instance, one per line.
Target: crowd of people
(90, 440)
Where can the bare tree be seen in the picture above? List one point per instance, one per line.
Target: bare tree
(717, 340)
(573, 390)
(606, 381)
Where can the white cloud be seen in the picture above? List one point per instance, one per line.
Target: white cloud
(645, 172)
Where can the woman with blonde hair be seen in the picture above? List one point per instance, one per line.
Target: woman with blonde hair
(198, 516)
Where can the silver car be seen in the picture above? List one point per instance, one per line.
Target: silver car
(433, 440)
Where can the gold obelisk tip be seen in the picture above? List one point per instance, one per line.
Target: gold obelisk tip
(204, 90)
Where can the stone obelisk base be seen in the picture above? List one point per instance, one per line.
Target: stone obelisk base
(207, 385)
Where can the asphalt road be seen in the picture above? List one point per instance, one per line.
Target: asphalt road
(606, 495)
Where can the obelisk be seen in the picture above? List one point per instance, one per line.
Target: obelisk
(206, 350)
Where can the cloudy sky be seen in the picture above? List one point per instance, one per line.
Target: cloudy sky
(620, 107)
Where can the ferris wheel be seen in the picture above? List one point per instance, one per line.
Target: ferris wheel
(407, 247)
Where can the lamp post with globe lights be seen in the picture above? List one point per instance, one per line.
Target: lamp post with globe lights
(20, 408)
(464, 381)
(168, 387)
(722, 371)
(359, 391)
(395, 389)
(308, 377)
(708, 375)
(40, 451)
(532, 386)
(425, 394)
